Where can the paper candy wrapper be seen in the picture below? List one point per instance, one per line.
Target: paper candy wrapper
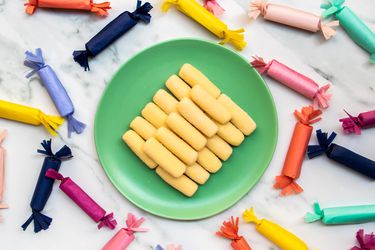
(229, 230)
(125, 236)
(365, 241)
(342, 215)
(83, 200)
(294, 80)
(353, 124)
(29, 115)
(44, 185)
(292, 17)
(111, 32)
(275, 233)
(214, 7)
(352, 24)
(169, 247)
(2, 170)
(88, 5)
(193, 9)
(341, 155)
(297, 151)
(55, 89)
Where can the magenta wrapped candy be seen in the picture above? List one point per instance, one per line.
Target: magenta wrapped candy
(365, 241)
(354, 124)
(83, 200)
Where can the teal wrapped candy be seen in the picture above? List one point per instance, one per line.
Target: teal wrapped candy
(342, 215)
(353, 25)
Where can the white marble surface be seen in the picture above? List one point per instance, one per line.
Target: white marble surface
(59, 33)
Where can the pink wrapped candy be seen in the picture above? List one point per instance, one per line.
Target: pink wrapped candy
(354, 124)
(213, 7)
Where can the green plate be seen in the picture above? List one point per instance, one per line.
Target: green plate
(135, 84)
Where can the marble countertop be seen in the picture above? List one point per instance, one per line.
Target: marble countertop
(58, 33)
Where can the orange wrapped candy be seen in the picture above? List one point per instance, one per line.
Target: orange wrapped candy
(297, 150)
(229, 230)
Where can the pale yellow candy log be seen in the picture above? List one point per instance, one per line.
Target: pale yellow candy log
(193, 76)
(193, 114)
(230, 134)
(197, 173)
(154, 115)
(177, 87)
(186, 131)
(210, 105)
(182, 183)
(176, 145)
(240, 118)
(209, 160)
(142, 127)
(136, 143)
(219, 147)
(164, 158)
(165, 101)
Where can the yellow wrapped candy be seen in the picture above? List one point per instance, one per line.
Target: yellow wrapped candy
(29, 115)
(194, 10)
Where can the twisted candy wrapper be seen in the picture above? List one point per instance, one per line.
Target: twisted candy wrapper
(125, 236)
(353, 124)
(229, 230)
(193, 9)
(55, 89)
(29, 115)
(275, 233)
(83, 200)
(2, 169)
(111, 32)
(352, 24)
(292, 17)
(297, 150)
(44, 185)
(341, 155)
(214, 7)
(169, 247)
(88, 5)
(365, 241)
(342, 215)
(294, 80)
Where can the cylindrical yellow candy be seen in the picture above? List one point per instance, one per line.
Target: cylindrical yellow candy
(193, 76)
(240, 118)
(176, 145)
(29, 115)
(164, 158)
(230, 134)
(197, 173)
(196, 117)
(154, 115)
(210, 105)
(219, 147)
(142, 127)
(186, 131)
(182, 183)
(136, 143)
(282, 238)
(165, 101)
(177, 87)
(209, 160)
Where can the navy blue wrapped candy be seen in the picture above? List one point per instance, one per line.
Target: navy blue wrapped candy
(111, 32)
(44, 186)
(341, 154)
(55, 89)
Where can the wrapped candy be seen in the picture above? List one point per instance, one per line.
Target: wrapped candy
(292, 17)
(342, 215)
(29, 115)
(2, 169)
(83, 200)
(214, 7)
(111, 32)
(169, 247)
(229, 230)
(354, 124)
(275, 233)
(341, 155)
(294, 80)
(44, 185)
(88, 5)
(55, 89)
(194, 10)
(297, 151)
(352, 24)
(365, 241)
(125, 236)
